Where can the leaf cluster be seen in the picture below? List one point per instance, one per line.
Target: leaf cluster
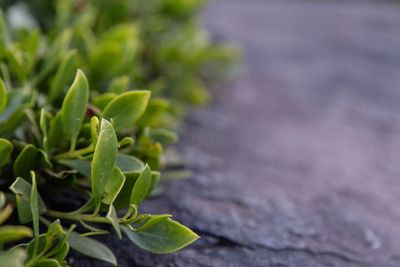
(75, 122)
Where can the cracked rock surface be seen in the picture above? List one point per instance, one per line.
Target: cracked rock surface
(297, 162)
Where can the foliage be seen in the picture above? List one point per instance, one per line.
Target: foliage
(72, 128)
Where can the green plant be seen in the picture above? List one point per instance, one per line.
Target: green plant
(158, 44)
(72, 132)
(66, 148)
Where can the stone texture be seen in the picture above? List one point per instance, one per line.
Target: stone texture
(296, 162)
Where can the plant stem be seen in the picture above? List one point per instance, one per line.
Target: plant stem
(76, 216)
(75, 153)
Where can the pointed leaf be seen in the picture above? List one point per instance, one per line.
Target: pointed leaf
(74, 107)
(34, 203)
(22, 190)
(124, 197)
(142, 186)
(64, 75)
(113, 186)
(104, 158)
(94, 129)
(128, 163)
(126, 108)
(92, 248)
(162, 236)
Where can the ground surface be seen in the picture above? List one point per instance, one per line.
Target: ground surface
(297, 163)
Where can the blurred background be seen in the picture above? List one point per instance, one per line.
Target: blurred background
(305, 143)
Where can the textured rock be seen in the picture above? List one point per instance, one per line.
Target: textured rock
(296, 164)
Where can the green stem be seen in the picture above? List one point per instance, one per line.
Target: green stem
(73, 144)
(76, 216)
(75, 153)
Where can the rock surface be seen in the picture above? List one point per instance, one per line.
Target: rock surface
(297, 162)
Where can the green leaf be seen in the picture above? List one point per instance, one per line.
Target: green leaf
(3, 96)
(155, 112)
(144, 221)
(5, 213)
(3, 32)
(61, 253)
(113, 186)
(5, 151)
(55, 135)
(26, 161)
(43, 123)
(34, 203)
(34, 130)
(128, 163)
(124, 197)
(64, 75)
(13, 115)
(92, 248)
(31, 46)
(93, 230)
(22, 190)
(104, 158)
(10, 233)
(106, 60)
(115, 52)
(163, 136)
(94, 129)
(126, 108)
(155, 178)
(16, 63)
(113, 219)
(53, 56)
(82, 166)
(46, 263)
(3, 201)
(119, 85)
(54, 233)
(74, 107)
(101, 101)
(13, 258)
(142, 186)
(30, 158)
(51, 245)
(161, 236)
(126, 141)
